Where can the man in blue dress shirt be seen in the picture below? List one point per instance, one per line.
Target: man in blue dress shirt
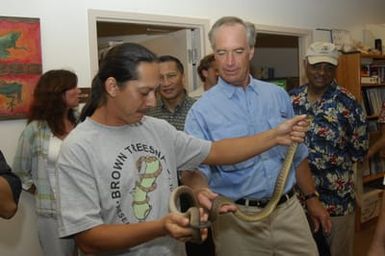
(239, 106)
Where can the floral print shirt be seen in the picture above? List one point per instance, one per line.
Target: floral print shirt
(336, 139)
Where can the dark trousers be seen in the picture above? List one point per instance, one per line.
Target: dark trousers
(192, 249)
(320, 240)
(204, 249)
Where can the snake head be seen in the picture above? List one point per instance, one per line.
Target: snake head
(196, 224)
(221, 205)
(193, 213)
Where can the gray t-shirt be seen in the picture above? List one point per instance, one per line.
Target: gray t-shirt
(123, 175)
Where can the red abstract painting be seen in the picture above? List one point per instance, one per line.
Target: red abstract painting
(20, 64)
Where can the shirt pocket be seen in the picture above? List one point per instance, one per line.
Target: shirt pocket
(276, 151)
(234, 131)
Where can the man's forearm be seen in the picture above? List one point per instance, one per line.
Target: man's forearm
(194, 179)
(304, 178)
(115, 237)
(8, 205)
(234, 150)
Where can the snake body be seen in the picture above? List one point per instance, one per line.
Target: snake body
(193, 212)
(278, 190)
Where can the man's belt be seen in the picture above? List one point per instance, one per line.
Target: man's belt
(262, 203)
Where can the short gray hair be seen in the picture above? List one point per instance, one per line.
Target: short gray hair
(251, 34)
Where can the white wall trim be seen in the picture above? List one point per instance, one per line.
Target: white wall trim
(141, 18)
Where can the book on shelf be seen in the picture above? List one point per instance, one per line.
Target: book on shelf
(365, 70)
(378, 62)
(369, 80)
(377, 164)
(366, 104)
(373, 72)
(373, 97)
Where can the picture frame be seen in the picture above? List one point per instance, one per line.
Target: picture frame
(20, 64)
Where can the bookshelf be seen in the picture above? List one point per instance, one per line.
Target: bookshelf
(369, 178)
(364, 76)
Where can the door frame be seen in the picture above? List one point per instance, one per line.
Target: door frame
(202, 25)
(305, 38)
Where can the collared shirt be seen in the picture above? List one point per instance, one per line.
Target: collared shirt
(30, 164)
(177, 118)
(227, 111)
(337, 138)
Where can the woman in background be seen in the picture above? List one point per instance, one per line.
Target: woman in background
(50, 119)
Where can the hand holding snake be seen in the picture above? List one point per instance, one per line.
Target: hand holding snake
(221, 204)
(178, 226)
(197, 218)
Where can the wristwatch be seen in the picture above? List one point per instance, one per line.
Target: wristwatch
(311, 195)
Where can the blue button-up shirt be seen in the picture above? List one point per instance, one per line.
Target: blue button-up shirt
(227, 111)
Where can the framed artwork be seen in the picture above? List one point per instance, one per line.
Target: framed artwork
(20, 64)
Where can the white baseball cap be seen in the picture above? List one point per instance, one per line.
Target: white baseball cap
(322, 52)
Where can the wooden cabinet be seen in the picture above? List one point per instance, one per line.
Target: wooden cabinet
(364, 77)
(348, 73)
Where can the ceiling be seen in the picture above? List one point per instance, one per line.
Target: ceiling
(111, 29)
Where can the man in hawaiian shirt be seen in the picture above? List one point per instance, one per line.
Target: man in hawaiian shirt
(336, 139)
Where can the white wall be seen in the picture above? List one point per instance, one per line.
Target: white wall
(372, 32)
(65, 43)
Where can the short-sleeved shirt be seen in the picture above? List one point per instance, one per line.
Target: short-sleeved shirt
(226, 111)
(123, 175)
(336, 139)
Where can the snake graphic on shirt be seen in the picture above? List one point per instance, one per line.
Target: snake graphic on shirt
(149, 169)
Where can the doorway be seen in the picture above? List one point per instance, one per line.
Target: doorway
(285, 46)
(276, 60)
(183, 38)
